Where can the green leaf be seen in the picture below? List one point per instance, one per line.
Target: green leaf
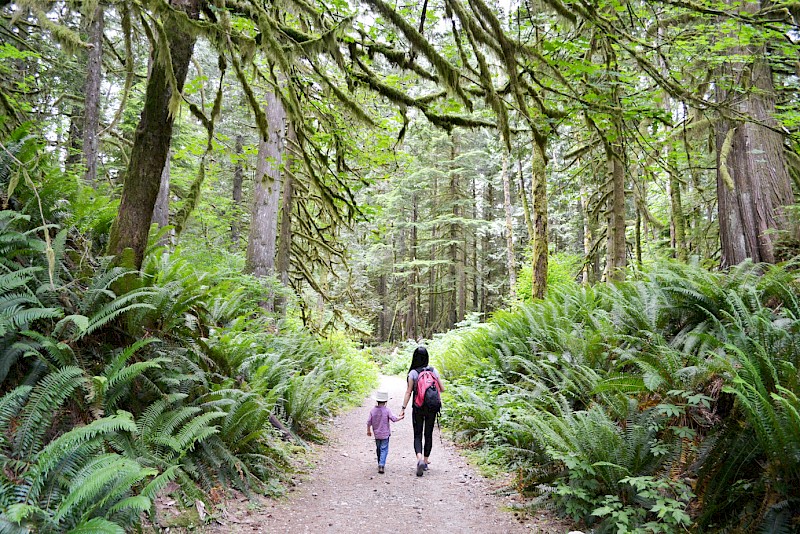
(97, 525)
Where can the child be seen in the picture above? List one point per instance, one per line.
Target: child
(378, 422)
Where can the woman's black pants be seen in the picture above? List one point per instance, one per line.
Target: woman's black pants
(423, 423)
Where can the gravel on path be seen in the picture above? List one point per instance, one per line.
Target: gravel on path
(344, 493)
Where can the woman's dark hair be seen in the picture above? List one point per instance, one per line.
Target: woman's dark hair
(419, 359)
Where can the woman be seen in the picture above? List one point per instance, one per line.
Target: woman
(422, 421)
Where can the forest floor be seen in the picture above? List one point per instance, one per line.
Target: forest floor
(342, 491)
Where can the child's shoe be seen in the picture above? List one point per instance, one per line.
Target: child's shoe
(380, 469)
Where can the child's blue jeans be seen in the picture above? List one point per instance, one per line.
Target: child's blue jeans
(382, 449)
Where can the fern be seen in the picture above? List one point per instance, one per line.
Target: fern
(45, 399)
(101, 479)
(76, 437)
(10, 405)
(97, 525)
(117, 376)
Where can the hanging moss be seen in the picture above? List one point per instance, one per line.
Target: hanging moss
(255, 107)
(351, 105)
(398, 58)
(724, 153)
(191, 200)
(448, 74)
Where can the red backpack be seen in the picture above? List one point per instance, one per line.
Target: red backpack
(427, 396)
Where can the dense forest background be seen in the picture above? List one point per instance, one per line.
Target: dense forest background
(210, 205)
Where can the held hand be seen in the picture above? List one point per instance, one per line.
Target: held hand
(369, 432)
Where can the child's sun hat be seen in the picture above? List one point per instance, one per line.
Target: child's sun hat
(381, 396)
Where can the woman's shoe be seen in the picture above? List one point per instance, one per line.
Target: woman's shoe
(420, 468)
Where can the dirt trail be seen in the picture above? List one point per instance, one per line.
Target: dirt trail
(345, 494)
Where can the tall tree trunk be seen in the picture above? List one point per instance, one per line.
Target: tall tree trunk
(150, 145)
(486, 269)
(238, 181)
(262, 240)
(401, 277)
(511, 264)
(461, 248)
(474, 247)
(455, 274)
(616, 258)
(578, 247)
(94, 76)
(161, 208)
(588, 256)
(753, 184)
(638, 237)
(411, 317)
(677, 220)
(462, 277)
(284, 255)
(74, 137)
(525, 205)
(382, 295)
(540, 240)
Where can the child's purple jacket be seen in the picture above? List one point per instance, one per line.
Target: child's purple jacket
(379, 421)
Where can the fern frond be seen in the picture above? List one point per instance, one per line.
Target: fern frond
(64, 444)
(44, 402)
(160, 482)
(97, 525)
(103, 476)
(197, 430)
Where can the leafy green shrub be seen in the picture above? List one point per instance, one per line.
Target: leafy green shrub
(562, 270)
(608, 399)
(179, 379)
(353, 373)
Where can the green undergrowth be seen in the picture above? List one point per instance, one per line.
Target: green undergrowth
(663, 404)
(108, 397)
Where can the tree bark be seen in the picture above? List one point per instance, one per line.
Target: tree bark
(150, 145)
(433, 301)
(525, 205)
(161, 208)
(453, 236)
(753, 184)
(261, 244)
(540, 239)
(458, 234)
(238, 180)
(382, 294)
(411, 315)
(74, 137)
(400, 277)
(284, 255)
(94, 76)
(474, 247)
(511, 264)
(616, 250)
(616, 258)
(588, 255)
(486, 266)
(677, 226)
(638, 237)
(678, 220)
